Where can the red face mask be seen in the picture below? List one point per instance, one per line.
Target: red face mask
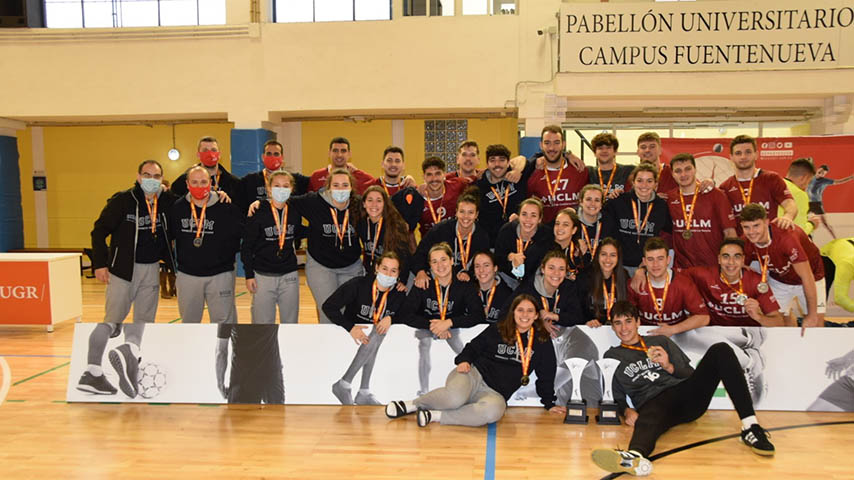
(272, 163)
(209, 158)
(199, 193)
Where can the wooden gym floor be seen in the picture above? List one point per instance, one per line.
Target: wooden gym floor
(44, 437)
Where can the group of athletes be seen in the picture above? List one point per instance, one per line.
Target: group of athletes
(533, 247)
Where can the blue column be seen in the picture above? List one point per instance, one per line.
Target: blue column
(11, 214)
(247, 146)
(528, 146)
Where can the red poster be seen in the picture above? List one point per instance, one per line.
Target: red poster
(835, 152)
(24, 293)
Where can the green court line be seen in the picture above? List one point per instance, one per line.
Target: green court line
(720, 392)
(159, 403)
(40, 374)
(179, 318)
(14, 401)
(59, 401)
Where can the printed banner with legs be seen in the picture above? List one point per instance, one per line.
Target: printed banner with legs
(304, 364)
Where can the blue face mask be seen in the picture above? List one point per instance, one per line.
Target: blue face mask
(150, 185)
(386, 281)
(340, 196)
(519, 271)
(281, 194)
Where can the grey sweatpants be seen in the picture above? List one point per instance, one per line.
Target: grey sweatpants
(141, 292)
(281, 290)
(464, 400)
(217, 291)
(323, 281)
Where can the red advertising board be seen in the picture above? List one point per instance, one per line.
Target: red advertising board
(24, 293)
(776, 153)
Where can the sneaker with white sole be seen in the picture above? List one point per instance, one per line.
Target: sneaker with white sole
(396, 409)
(97, 384)
(622, 461)
(756, 438)
(342, 393)
(126, 366)
(366, 399)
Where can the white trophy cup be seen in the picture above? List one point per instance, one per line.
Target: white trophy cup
(576, 409)
(607, 406)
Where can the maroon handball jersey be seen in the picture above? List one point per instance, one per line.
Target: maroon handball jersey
(666, 182)
(456, 176)
(720, 298)
(683, 300)
(565, 191)
(787, 248)
(389, 189)
(318, 180)
(712, 214)
(444, 207)
(769, 190)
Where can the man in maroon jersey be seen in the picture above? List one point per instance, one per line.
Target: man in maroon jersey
(668, 299)
(754, 185)
(440, 199)
(339, 157)
(468, 158)
(788, 262)
(701, 220)
(649, 151)
(558, 183)
(393, 179)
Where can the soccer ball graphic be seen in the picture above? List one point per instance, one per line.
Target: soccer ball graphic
(151, 380)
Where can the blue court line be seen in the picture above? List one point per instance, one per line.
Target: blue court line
(489, 468)
(35, 356)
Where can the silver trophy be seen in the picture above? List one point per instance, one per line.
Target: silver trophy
(607, 406)
(576, 408)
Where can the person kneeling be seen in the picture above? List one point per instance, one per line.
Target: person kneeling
(489, 369)
(656, 374)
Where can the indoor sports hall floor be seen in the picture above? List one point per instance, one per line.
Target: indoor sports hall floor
(44, 437)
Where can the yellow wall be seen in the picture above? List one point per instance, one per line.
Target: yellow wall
(86, 165)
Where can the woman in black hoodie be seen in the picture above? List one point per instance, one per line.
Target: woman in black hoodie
(489, 369)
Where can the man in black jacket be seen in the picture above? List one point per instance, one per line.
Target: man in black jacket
(221, 180)
(135, 222)
(253, 186)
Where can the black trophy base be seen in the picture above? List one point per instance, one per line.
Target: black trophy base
(608, 414)
(576, 412)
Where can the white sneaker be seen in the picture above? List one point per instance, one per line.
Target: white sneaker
(619, 461)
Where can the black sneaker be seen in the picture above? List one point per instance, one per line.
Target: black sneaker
(756, 438)
(127, 367)
(91, 384)
(622, 461)
(396, 409)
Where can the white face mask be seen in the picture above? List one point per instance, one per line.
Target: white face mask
(281, 194)
(340, 196)
(386, 281)
(150, 185)
(519, 271)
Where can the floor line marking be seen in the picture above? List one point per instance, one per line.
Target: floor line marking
(489, 468)
(727, 437)
(40, 374)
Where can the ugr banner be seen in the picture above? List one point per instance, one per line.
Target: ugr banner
(299, 364)
(705, 36)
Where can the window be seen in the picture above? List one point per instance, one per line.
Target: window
(291, 11)
(133, 13)
(442, 138)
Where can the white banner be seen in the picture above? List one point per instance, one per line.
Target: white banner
(706, 36)
(789, 372)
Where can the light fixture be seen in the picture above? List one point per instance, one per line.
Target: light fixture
(173, 152)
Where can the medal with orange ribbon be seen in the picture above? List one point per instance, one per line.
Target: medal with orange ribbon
(465, 248)
(442, 300)
(340, 230)
(609, 299)
(200, 224)
(281, 227)
(638, 225)
(152, 214)
(688, 214)
(553, 190)
(740, 297)
(501, 202)
(643, 348)
(379, 230)
(377, 311)
(488, 302)
(525, 354)
(610, 180)
(658, 310)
